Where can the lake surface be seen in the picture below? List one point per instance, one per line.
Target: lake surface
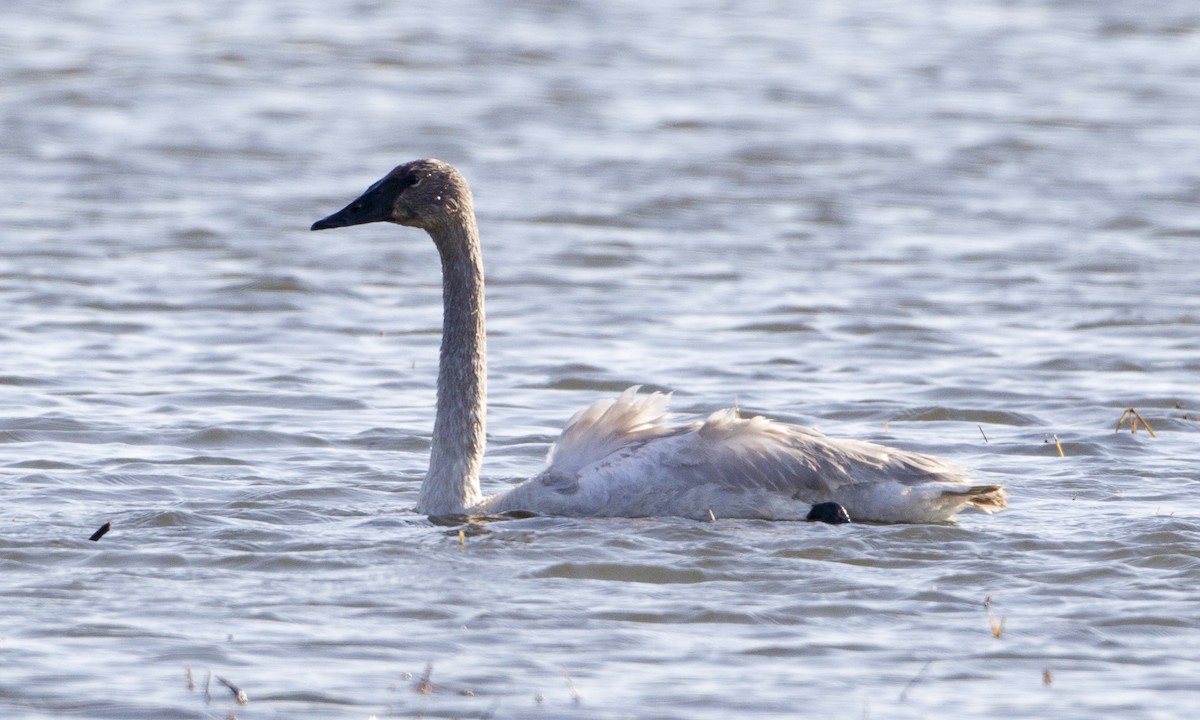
(962, 228)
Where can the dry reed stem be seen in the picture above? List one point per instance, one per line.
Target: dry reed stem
(425, 685)
(1134, 418)
(1058, 445)
(996, 625)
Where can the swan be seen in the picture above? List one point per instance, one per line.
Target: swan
(622, 456)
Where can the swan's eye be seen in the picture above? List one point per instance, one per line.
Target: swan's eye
(413, 180)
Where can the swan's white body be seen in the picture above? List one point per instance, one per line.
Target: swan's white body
(622, 457)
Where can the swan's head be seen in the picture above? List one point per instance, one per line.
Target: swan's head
(422, 193)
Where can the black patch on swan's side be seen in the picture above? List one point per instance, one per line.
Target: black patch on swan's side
(829, 512)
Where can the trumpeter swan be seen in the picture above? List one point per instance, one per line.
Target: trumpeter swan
(622, 457)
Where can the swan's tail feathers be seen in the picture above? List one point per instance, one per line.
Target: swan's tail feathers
(609, 426)
(988, 498)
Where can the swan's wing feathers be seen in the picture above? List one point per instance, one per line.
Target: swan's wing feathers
(757, 453)
(608, 427)
(619, 457)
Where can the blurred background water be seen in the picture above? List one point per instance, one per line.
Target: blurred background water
(965, 228)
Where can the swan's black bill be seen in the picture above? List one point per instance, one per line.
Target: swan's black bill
(372, 206)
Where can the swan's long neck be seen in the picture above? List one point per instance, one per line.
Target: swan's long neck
(451, 486)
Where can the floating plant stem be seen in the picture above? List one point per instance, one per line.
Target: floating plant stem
(425, 685)
(1134, 418)
(239, 695)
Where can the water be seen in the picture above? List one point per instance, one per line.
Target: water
(921, 223)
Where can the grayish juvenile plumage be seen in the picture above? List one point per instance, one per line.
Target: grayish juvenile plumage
(622, 457)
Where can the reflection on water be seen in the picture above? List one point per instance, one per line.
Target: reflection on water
(964, 229)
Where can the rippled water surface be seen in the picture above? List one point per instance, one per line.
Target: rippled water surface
(964, 228)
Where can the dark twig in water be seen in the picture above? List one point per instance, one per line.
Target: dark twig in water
(1185, 416)
(981, 432)
(1134, 418)
(100, 533)
(238, 694)
(207, 682)
(911, 683)
(187, 673)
